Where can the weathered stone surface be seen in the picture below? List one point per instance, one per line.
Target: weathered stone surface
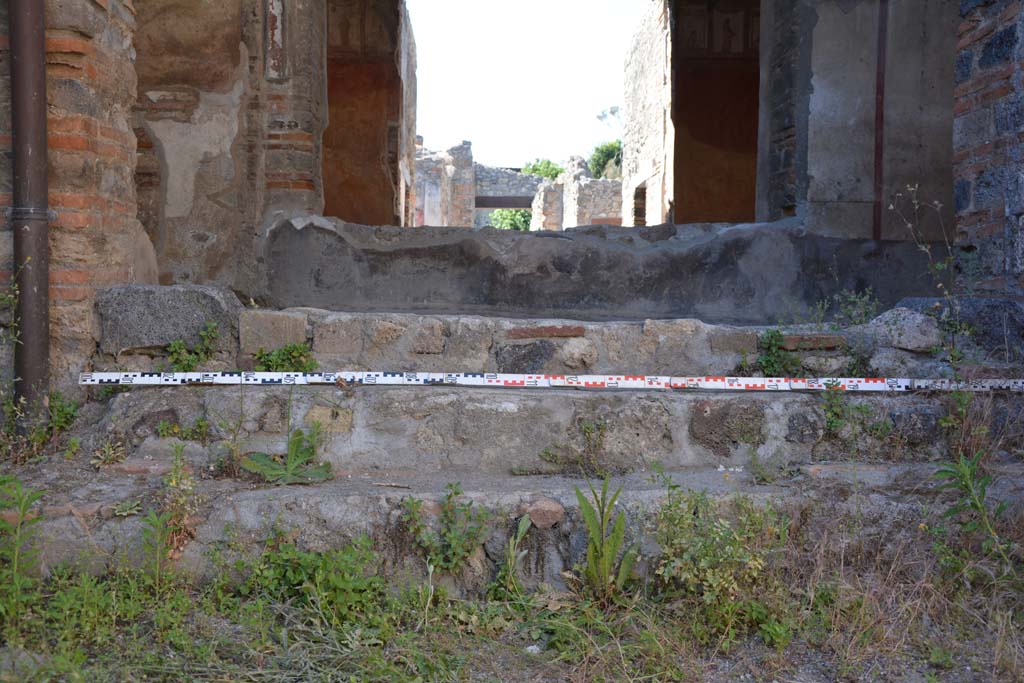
(545, 512)
(998, 324)
(269, 330)
(578, 354)
(749, 274)
(734, 341)
(813, 342)
(428, 337)
(888, 362)
(901, 328)
(722, 427)
(339, 335)
(148, 317)
(525, 358)
(804, 428)
(332, 420)
(826, 366)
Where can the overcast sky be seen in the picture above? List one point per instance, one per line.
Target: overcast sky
(520, 79)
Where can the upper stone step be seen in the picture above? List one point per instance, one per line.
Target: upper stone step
(138, 323)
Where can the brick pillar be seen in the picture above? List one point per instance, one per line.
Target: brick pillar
(989, 143)
(95, 240)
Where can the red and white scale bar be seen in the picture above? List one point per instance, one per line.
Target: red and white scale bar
(510, 381)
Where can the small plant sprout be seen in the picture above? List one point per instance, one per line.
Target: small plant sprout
(506, 586)
(111, 452)
(127, 508)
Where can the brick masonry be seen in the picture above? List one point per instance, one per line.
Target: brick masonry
(989, 143)
(96, 239)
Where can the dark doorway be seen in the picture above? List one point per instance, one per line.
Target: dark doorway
(640, 205)
(716, 82)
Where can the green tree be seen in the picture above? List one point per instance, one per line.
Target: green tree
(511, 219)
(606, 161)
(543, 167)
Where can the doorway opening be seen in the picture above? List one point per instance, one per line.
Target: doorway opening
(715, 100)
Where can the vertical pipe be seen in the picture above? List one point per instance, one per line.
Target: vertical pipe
(883, 58)
(30, 215)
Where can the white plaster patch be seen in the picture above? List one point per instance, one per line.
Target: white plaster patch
(208, 134)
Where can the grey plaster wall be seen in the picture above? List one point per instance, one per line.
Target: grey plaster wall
(816, 138)
(757, 273)
(918, 150)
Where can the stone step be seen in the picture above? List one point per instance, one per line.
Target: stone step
(138, 323)
(236, 519)
(552, 431)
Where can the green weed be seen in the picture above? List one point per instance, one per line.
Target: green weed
(506, 585)
(184, 359)
(296, 467)
(774, 360)
(199, 431)
(291, 358)
(609, 564)
(461, 529)
(18, 589)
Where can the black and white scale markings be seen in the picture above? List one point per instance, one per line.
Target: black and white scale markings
(509, 381)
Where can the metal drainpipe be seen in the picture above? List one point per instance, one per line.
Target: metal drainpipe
(30, 214)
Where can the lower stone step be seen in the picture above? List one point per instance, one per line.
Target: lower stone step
(234, 519)
(441, 429)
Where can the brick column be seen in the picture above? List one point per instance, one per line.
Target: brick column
(989, 143)
(95, 240)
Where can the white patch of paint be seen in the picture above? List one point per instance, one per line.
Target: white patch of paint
(208, 134)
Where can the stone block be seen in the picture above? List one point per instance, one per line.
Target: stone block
(902, 328)
(338, 336)
(544, 513)
(734, 341)
(724, 426)
(149, 317)
(999, 48)
(269, 330)
(1009, 115)
(332, 420)
(973, 129)
(579, 354)
(384, 333)
(525, 358)
(812, 342)
(428, 337)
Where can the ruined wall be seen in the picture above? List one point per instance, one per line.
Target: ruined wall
(463, 200)
(504, 182)
(369, 142)
(587, 200)
(649, 136)
(989, 140)
(444, 187)
(95, 239)
(547, 206)
(492, 181)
